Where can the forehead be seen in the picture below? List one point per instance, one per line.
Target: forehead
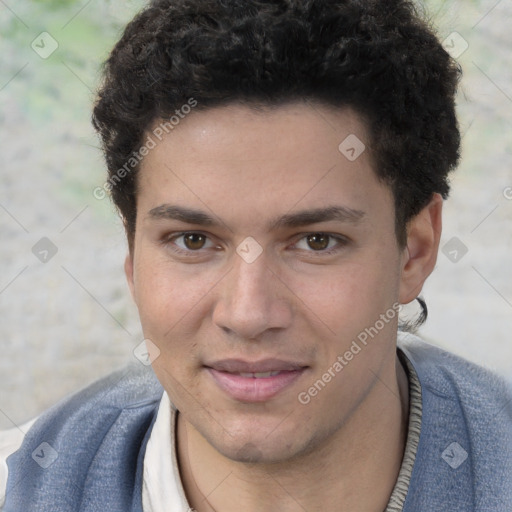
(238, 132)
(257, 164)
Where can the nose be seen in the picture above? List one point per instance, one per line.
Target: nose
(252, 300)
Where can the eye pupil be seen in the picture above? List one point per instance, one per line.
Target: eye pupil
(318, 241)
(194, 241)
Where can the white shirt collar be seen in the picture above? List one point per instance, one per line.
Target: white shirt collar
(161, 465)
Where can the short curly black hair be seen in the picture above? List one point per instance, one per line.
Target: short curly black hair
(378, 57)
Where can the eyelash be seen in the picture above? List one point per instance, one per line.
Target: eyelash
(341, 242)
(169, 241)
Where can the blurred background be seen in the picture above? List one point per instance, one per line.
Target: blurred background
(66, 317)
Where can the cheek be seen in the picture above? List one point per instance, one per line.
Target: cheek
(349, 296)
(167, 296)
(172, 304)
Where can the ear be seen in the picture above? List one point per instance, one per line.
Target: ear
(420, 255)
(128, 270)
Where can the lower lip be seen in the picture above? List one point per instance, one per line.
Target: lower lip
(250, 389)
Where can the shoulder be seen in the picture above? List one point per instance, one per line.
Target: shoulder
(452, 377)
(86, 435)
(132, 388)
(129, 389)
(464, 455)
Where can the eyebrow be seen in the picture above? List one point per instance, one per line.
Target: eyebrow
(187, 215)
(317, 215)
(289, 220)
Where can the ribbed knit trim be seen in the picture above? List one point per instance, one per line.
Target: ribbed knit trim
(396, 502)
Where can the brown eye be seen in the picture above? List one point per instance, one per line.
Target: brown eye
(194, 241)
(318, 241)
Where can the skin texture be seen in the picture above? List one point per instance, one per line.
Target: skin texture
(245, 168)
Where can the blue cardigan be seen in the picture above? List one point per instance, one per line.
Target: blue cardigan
(86, 454)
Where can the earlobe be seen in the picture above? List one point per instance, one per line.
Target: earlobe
(420, 255)
(128, 270)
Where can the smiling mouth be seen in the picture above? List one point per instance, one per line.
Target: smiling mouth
(253, 386)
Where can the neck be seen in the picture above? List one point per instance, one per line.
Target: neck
(356, 468)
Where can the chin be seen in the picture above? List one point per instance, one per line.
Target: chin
(259, 448)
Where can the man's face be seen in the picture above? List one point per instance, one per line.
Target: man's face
(260, 247)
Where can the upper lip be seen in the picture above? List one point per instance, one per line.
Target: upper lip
(264, 365)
